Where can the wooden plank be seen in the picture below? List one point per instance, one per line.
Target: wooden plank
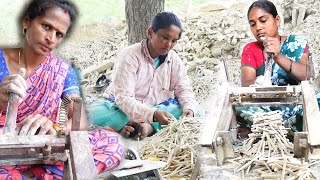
(311, 116)
(213, 117)
(233, 126)
(21, 160)
(11, 117)
(36, 158)
(271, 89)
(76, 117)
(6, 140)
(226, 116)
(97, 68)
(214, 120)
(82, 162)
(67, 171)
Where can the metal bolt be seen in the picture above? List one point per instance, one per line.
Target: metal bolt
(46, 150)
(31, 151)
(219, 141)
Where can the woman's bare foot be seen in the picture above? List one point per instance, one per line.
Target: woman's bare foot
(243, 132)
(144, 130)
(129, 130)
(126, 131)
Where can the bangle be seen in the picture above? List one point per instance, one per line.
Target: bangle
(154, 116)
(290, 67)
(57, 128)
(154, 119)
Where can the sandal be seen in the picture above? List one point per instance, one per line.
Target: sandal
(102, 83)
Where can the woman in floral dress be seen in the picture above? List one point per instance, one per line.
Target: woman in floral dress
(289, 66)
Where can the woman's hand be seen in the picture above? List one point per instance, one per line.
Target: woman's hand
(163, 117)
(15, 84)
(271, 45)
(35, 125)
(187, 113)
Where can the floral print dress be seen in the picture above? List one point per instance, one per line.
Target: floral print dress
(293, 48)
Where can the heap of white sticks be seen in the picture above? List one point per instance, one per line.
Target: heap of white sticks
(269, 153)
(176, 145)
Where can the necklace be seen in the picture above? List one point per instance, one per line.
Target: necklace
(19, 56)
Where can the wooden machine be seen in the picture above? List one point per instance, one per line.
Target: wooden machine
(73, 149)
(219, 132)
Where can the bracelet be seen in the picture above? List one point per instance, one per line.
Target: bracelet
(57, 128)
(290, 67)
(154, 119)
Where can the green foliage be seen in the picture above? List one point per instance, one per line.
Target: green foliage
(91, 11)
(97, 11)
(173, 5)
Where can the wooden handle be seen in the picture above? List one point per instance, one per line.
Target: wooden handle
(12, 110)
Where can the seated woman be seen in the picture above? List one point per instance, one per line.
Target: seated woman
(147, 78)
(289, 54)
(46, 80)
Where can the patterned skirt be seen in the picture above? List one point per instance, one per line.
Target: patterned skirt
(108, 114)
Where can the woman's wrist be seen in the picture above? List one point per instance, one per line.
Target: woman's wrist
(276, 56)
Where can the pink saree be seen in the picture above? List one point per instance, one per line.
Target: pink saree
(46, 85)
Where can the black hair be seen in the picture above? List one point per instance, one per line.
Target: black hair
(164, 20)
(38, 8)
(266, 5)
